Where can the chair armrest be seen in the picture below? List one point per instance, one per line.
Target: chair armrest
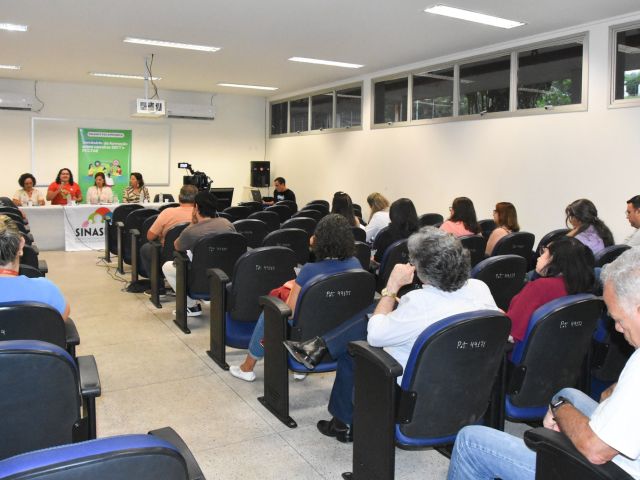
(219, 275)
(71, 332)
(120, 224)
(170, 435)
(385, 363)
(155, 243)
(43, 267)
(275, 305)
(180, 256)
(135, 232)
(36, 250)
(89, 378)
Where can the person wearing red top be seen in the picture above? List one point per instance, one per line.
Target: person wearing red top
(64, 189)
(566, 267)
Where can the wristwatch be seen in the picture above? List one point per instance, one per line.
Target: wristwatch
(386, 293)
(558, 403)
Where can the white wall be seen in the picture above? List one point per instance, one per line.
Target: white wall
(540, 163)
(222, 148)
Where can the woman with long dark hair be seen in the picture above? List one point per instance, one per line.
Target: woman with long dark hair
(462, 219)
(506, 219)
(582, 215)
(64, 190)
(404, 222)
(342, 205)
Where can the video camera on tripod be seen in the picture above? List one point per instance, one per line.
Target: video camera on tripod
(200, 179)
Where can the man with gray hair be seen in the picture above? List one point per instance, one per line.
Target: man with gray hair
(602, 432)
(442, 265)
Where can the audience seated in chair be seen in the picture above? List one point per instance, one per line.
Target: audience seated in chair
(506, 219)
(442, 265)
(204, 222)
(633, 216)
(404, 222)
(379, 216)
(462, 219)
(334, 248)
(609, 431)
(582, 215)
(342, 205)
(15, 287)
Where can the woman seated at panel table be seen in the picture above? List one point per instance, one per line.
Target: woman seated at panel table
(462, 220)
(100, 192)
(27, 194)
(136, 192)
(64, 189)
(506, 219)
(582, 215)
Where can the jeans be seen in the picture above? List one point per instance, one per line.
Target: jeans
(485, 453)
(256, 350)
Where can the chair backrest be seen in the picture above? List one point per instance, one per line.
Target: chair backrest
(165, 197)
(359, 234)
(467, 347)
(13, 215)
(256, 273)
(135, 220)
(6, 201)
(143, 457)
(169, 239)
(253, 206)
(294, 238)
(119, 214)
(395, 253)
(552, 353)
(504, 275)
(486, 226)
(10, 209)
(214, 250)
(363, 254)
(317, 215)
(516, 243)
(476, 245)
(29, 256)
(253, 230)
(304, 223)
(552, 236)
(238, 212)
(167, 205)
(430, 219)
(609, 254)
(29, 271)
(144, 228)
(31, 321)
(328, 300)
(226, 215)
(293, 206)
(324, 203)
(271, 219)
(284, 212)
(321, 207)
(41, 400)
(357, 210)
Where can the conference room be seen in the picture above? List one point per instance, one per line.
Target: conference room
(413, 101)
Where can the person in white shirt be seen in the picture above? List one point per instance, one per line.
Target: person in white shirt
(100, 192)
(442, 265)
(27, 193)
(379, 217)
(608, 431)
(633, 215)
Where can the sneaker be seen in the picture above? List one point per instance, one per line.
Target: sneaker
(238, 373)
(194, 311)
(162, 292)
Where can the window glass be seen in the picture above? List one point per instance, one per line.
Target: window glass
(279, 118)
(299, 115)
(322, 111)
(627, 64)
(390, 99)
(550, 76)
(484, 86)
(432, 94)
(349, 107)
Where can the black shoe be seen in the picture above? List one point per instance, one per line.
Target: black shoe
(308, 353)
(333, 427)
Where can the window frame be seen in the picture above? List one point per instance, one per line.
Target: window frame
(613, 32)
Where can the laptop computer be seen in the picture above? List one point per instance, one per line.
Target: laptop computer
(256, 195)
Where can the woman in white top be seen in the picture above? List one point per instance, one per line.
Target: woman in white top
(27, 193)
(100, 192)
(379, 217)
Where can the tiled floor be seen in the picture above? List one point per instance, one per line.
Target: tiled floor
(153, 375)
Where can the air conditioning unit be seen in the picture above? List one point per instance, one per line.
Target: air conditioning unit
(148, 108)
(16, 101)
(190, 111)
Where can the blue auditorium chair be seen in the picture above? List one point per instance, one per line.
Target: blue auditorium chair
(119, 214)
(234, 305)
(504, 275)
(271, 219)
(447, 384)
(609, 254)
(138, 237)
(309, 212)
(238, 212)
(284, 212)
(161, 253)
(430, 219)
(363, 254)
(293, 206)
(395, 253)
(253, 230)
(323, 304)
(133, 221)
(476, 244)
(516, 243)
(294, 238)
(486, 226)
(307, 224)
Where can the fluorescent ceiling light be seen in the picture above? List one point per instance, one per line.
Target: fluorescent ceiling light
(123, 75)
(325, 62)
(162, 43)
(473, 16)
(10, 67)
(239, 85)
(13, 27)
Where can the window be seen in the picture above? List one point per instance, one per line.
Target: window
(299, 115)
(432, 94)
(349, 107)
(322, 111)
(484, 86)
(390, 100)
(279, 114)
(626, 64)
(550, 76)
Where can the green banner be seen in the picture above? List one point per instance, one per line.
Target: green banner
(106, 151)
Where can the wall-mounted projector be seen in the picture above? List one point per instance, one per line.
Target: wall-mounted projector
(16, 101)
(191, 111)
(148, 108)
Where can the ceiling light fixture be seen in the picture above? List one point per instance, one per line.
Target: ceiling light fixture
(325, 62)
(12, 27)
(473, 16)
(162, 43)
(122, 75)
(239, 85)
(10, 67)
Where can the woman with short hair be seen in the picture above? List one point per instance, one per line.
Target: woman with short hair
(379, 216)
(100, 192)
(136, 192)
(506, 219)
(27, 193)
(462, 219)
(582, 215)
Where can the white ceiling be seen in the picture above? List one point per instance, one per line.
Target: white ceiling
(69, 38)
